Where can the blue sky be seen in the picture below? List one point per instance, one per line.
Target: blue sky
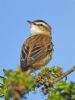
(14, 29)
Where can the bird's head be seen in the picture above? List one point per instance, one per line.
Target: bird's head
(39, 27)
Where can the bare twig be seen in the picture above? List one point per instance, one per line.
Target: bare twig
(66, 73)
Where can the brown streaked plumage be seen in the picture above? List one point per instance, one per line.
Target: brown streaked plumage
(37, 49)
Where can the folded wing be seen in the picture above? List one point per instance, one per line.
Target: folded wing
(34, 49)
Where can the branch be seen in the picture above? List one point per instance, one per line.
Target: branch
(66, 73)
(17, 83)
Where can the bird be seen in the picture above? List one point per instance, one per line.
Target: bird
(37, 49)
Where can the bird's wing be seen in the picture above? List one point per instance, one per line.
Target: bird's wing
(35, 51)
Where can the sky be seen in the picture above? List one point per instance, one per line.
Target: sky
(14, 29)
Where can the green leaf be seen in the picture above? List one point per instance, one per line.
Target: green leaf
(1, 92)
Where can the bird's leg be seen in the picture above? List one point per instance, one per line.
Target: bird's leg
(42, 68)
(33, 71)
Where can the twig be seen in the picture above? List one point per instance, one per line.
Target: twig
(66, 73)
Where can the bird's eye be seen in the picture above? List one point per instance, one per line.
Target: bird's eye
(40, 25)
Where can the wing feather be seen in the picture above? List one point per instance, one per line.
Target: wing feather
(33, 51)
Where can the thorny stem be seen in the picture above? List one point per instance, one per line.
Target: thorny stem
(66, 73)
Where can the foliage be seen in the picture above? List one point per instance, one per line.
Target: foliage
(16, 84)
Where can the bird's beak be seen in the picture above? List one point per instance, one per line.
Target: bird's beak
(30, 22)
